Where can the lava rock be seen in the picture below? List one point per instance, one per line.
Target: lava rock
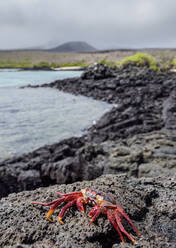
(65, 162)
(169, 111)
(143, 155)
(150, 203)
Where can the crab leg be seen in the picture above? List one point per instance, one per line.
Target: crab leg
(122, 229)
(93, 211)
(55, 204)
(53, 208)
(120, 210)
(79, 204)
(46, 204)
(62, 212)
(111, 219)
(97, 213)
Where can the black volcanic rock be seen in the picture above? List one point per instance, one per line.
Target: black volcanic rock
(150, 203)
(64, 162)
(74, 46)
(142, 155)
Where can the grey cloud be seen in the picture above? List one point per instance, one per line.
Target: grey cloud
(104, 24)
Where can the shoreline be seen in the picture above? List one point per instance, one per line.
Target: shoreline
(136, 138)
(133, 115)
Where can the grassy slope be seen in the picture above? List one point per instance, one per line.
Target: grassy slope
(30, 58)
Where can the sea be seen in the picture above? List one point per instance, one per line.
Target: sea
(33, 117)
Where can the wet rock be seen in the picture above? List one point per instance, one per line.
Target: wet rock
(150, 203)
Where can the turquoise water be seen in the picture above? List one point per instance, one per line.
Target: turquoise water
(31, 118)
(16, 78)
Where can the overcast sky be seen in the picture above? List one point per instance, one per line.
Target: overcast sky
(102, 23)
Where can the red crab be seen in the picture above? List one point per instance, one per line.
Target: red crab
(102, 204)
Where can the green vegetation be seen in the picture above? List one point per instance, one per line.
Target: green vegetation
(165, 60)
(140, 59)
(42, 64)
(173, 63)
(27, 64)
(167, 63)
(159, 62)
(13, 64)
(21, 59)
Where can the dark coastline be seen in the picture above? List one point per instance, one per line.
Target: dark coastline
(137, 138)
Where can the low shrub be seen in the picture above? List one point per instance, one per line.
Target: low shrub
(173, 63)
(140, 60)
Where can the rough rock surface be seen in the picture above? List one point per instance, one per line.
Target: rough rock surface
(150, 203)
(60, 163)
(143, 155)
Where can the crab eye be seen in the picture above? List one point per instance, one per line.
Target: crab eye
(90, 194)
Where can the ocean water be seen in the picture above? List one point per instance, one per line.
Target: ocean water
(31, 118)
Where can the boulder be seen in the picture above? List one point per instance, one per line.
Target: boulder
(150, 203)
(99, 71)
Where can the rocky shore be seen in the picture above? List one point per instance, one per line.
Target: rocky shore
(135, 142)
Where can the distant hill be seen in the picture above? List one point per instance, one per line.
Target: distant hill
(74, 46)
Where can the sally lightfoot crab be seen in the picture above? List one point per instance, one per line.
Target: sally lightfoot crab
(102, 204)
